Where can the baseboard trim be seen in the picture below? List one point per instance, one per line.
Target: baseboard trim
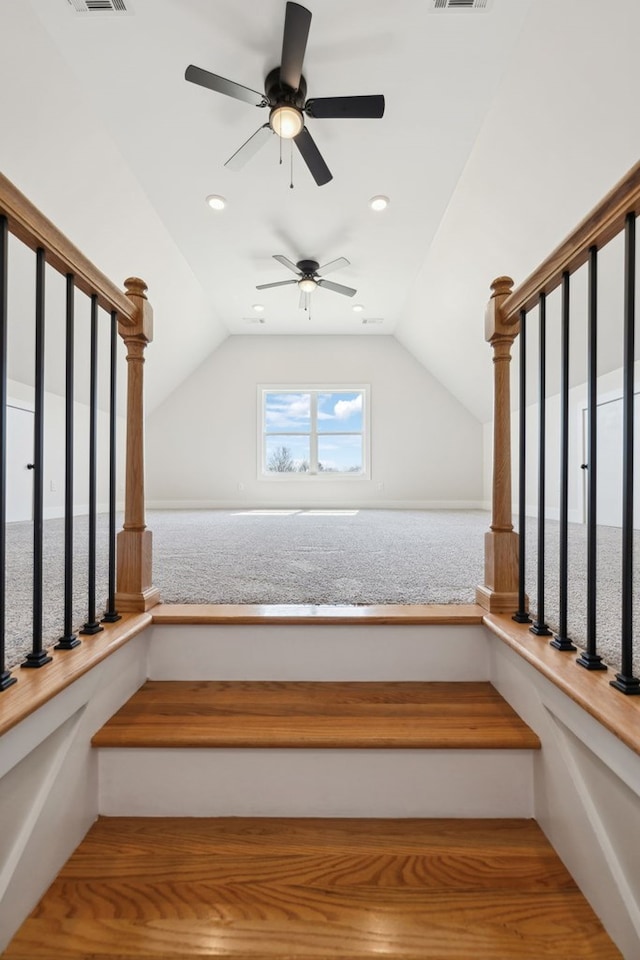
(316, 505)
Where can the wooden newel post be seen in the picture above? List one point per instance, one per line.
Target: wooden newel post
(499, 593)
(134, 587)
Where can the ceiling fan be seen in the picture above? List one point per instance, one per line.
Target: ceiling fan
(285, 95)
(309, 279)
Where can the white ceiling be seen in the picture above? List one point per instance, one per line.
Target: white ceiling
(501, 128)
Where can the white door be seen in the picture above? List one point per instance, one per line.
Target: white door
(19, 454)
(609, 480)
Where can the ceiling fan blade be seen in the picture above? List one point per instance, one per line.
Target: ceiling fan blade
(336, 287)
(230, 89)
(280, 283)
(249, 148)
(333, 265)
(353, 107)
(287, 263)
(312, 157)
(304, 302)
(297, 21)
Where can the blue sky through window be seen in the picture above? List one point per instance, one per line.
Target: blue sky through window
(336, 416)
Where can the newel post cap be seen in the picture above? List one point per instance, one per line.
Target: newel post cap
(136, 291)
(135, 287)
(494, 326)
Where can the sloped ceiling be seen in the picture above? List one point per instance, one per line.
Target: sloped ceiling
(501, 128)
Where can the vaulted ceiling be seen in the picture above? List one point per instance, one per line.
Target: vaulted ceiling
(502, 127)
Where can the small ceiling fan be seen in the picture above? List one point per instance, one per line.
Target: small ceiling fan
(309, 279)
(285, 95)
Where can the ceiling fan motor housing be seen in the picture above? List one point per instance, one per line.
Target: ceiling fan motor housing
(308, 267)
(279, 93)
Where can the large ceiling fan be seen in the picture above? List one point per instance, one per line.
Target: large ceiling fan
(285, 95)
(309, 279)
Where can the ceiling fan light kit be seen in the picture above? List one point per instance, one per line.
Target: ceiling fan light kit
(286, 121)
(286, 96)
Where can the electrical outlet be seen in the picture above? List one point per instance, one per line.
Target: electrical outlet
(380, 486)
(53, 486)
(241, 486)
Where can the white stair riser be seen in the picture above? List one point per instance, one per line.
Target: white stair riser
(315, 783)
(318, 652)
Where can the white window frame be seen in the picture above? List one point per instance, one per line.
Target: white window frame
(313, 472)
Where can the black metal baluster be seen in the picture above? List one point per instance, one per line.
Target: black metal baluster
(625, 681)
(589, 659)
(6, 680)
(561, 641)
(111, 614)
(38, 657)
(522, 615)
(68, 640)
(92, 625)
(539, 626)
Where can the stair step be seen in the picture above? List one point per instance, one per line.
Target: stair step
(294, 714)
(309, 888)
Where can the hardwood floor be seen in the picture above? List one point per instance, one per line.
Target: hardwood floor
(307, 714)
(300, 889)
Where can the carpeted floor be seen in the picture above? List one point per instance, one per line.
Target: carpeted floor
(311, 556)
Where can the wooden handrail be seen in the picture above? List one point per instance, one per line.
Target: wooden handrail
(35, 230)
(135, 591)
(499, 593)
(600, 226)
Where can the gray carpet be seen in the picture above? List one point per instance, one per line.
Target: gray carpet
(312, 556)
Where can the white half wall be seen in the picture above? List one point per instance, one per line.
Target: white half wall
(426, 448)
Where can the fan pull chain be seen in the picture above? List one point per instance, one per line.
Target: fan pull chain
(280, 140)
(291, 184)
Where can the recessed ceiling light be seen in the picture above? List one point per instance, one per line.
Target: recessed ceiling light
(379, 202)
(358, 308)
(258, 308)
(216, 202)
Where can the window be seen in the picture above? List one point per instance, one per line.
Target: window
(313, 433)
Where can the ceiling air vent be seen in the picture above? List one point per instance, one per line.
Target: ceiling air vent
(460, 4)
(100, 6)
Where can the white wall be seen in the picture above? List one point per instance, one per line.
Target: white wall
(609, 386)
(426, 449)
(54, 452)
(58, 152)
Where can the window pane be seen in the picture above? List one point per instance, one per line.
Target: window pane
(340, 454)
(340, 411)
(287, 412)
(286, 454)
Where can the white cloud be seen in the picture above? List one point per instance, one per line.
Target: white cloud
(287, 409)
(344, 408)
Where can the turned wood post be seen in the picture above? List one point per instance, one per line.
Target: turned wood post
(499, 593)
(134, 587)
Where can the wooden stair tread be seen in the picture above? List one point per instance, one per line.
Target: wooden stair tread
(310, 888)
(296, 714)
